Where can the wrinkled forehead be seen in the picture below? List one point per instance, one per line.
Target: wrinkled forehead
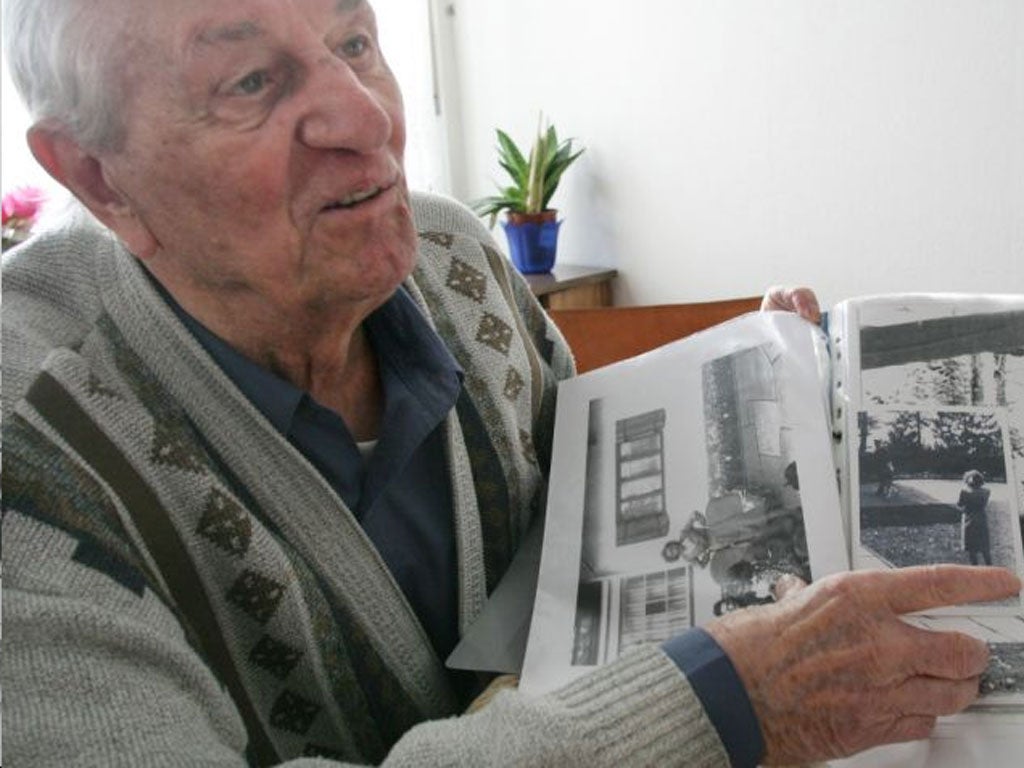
(159, 45)
(179, 25)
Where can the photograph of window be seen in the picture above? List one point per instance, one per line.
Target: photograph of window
(640, 486)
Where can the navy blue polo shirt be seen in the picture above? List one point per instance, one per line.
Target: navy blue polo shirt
(401, 494)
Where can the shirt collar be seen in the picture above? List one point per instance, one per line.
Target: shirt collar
(409, 348)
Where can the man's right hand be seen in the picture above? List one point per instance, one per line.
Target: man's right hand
(831, 669)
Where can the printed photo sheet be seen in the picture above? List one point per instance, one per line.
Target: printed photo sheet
(684, 483)
(934, 443)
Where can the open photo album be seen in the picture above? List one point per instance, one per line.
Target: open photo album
(686, 481)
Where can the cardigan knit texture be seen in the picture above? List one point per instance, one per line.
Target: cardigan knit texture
(182, 588)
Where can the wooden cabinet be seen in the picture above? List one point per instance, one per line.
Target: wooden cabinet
(570, 286)
(603, 335)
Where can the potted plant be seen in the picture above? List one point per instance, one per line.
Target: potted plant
(531, 227)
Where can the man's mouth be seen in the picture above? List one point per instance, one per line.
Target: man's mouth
(351, 201)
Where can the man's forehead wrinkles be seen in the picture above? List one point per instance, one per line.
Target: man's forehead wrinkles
(229, 33)
(248, 29)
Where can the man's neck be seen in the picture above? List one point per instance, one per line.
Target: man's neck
(326, 353)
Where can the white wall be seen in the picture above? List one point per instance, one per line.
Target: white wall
(855, 145)
(406, 41)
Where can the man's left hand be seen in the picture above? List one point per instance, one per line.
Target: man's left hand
(781, 298)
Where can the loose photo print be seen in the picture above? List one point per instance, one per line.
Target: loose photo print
(659, 557)
(685, 483)
(934, 487)
(939, 355)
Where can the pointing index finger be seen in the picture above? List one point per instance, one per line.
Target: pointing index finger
(907, 590)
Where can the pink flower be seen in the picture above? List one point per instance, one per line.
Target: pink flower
(21, 206)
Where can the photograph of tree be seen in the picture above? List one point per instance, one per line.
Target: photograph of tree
(979, 379)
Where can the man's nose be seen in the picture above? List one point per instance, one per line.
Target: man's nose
(343, 113)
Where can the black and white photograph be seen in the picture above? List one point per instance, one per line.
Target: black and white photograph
(946, 358)
(726, 532)
(955, 360)
(933, 489)
(934, 441)
(651, 608)
(751, 530)
(681, 480)
(620, 601)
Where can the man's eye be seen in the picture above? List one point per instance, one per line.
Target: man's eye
(355, 47)
(252, 83)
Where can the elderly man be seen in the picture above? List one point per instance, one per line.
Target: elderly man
(273, 433)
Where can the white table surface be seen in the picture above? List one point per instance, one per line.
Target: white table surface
(986, 741)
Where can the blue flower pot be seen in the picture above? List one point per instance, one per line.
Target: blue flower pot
(532, 244)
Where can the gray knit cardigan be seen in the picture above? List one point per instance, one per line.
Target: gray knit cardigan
(181, 587)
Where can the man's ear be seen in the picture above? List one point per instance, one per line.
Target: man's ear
(87, 177)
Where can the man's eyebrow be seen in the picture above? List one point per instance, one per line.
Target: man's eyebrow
(343, 6)
(229, 33)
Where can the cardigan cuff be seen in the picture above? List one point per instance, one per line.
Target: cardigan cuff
(716, 683)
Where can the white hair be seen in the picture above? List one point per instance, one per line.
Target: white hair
(60, 54)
